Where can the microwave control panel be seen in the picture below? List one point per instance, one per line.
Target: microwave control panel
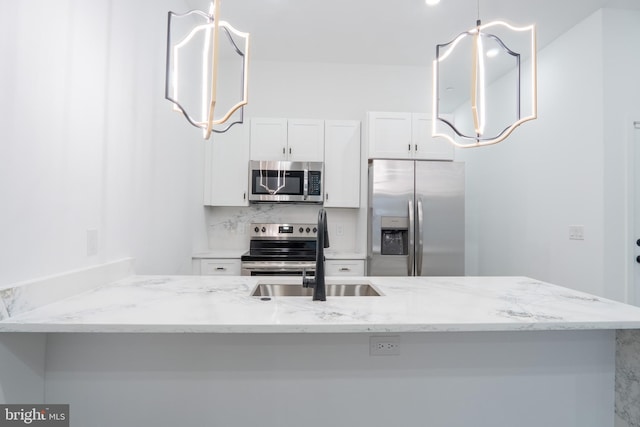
(315, 180)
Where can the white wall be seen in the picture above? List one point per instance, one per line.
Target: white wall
(525, 192)
(621, 106)
(569, 167)
(89, 143)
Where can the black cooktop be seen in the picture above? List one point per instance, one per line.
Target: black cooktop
(281, 250)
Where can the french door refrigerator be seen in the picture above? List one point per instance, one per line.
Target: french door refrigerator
(416, 218)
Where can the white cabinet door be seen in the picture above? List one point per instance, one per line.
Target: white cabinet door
(344, 267)
(305, 140)
(389, 135)
(268, 139)
(425, 146)
(342, 164)
(227, 168)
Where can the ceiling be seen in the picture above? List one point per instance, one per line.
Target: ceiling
(398, 32)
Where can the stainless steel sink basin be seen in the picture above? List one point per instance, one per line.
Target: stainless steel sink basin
(296, 290)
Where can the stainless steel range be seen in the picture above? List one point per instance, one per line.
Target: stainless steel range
(280, 250)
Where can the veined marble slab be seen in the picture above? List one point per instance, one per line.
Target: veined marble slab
(222, 304)
(25, 296)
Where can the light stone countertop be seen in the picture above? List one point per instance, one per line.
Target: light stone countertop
(222, 304)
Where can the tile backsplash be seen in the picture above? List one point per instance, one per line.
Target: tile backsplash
(228, 227)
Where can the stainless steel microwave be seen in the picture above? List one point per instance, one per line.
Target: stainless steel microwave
(282, 181)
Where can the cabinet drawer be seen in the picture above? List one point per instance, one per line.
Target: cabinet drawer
(344, 268)
(215, 267)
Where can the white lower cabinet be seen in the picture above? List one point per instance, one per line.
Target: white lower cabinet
(216, 267)
(344, 267)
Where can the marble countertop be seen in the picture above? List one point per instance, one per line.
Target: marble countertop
(222, 304)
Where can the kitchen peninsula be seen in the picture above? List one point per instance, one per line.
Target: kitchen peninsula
(200, 350)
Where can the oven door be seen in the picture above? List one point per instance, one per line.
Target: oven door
(278, 268)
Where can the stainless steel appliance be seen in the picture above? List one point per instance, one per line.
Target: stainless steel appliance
(416, 218)
(280, 181)
(280, 250)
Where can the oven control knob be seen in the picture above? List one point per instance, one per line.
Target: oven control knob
(256, 229)
(315, 230)
(264, 229)
(301, 230)
(308, 229)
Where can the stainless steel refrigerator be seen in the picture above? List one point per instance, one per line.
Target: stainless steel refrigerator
(416, 218)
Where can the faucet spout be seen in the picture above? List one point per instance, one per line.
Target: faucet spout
(318, 283)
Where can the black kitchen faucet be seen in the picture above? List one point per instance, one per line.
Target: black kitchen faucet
(317, 283)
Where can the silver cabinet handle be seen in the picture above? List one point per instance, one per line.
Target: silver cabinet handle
(409, 147)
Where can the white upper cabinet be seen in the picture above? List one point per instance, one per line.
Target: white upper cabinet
(305, 140)
(389, 135)
(287, 139)
(426, 147)
(342, 164)
(405, 136)
(268, 139)
(226, 169)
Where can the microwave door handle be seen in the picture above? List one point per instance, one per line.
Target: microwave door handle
(411, 235)
(305, 190)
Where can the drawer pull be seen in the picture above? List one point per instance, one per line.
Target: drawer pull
(221, 268)
(345, 269)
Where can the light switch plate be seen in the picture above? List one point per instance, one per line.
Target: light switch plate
(576, 232)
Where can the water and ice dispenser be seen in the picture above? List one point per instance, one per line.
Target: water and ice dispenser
(394, 239)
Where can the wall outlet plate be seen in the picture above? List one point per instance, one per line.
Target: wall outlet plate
(384, 345)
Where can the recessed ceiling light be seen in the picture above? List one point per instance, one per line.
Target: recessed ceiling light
(431, 2)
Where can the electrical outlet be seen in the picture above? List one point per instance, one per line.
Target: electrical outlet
(384, 346)
(339, 230)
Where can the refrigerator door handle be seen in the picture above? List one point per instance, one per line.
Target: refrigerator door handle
(411, 240)
(419, 224)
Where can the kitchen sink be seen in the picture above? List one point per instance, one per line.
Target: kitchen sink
(297, 290)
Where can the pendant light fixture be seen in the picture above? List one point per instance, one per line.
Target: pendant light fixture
(491, 104)
(195, 40)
